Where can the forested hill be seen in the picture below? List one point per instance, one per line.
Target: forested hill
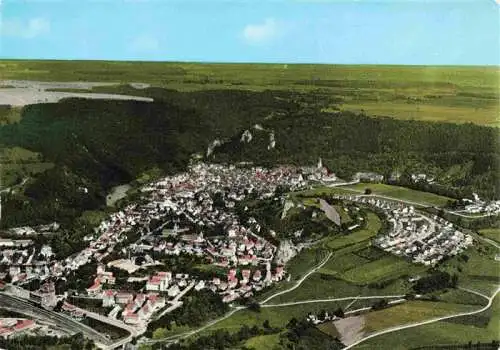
(96, 144)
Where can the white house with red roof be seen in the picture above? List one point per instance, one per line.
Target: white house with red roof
(159, 282)
(124, 298)
(95, 288)
(108, 298)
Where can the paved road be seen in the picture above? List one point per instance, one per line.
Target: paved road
(134, 331)
(311, 301)
(299, 282)
(437, 319)
(176, 302)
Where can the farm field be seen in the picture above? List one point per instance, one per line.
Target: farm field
(402, 193)
(410, 312)
(444, 332)
(384, 268)
(263, 341)
(483, 264)
(321, 286)
(491, 233)
(304, 261)
(427, 112)
(448, 94)
(459, 296)
(373, 225)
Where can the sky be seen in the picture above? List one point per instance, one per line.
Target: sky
(414, 32)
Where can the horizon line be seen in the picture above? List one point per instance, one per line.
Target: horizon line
(489, 65)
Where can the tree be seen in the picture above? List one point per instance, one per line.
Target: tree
(322, 315)
(292, 323)
(382, 303)
(266, 324)
(339, 312)
(368, 191)
(254, 306)
(218, 200)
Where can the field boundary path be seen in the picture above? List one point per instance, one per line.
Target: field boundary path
(433, 320)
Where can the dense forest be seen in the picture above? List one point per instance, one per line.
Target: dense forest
(47, 343)
(97, 144)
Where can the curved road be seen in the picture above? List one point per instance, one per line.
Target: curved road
(174, 338)
(312, 301)
(299, 282)
(437, 319)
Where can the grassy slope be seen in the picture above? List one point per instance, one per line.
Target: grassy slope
(444, 332)
(491, 233)
(398, 192)
(410, 312)
(263, 341)
(402, 193)
(455, 94)
(9, 114)
(18, 163)
(278, 317)
(372, 228)
(386, 267)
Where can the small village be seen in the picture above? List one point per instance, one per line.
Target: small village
(422, 239)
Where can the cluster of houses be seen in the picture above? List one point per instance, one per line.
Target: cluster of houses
(413, 235)
(478, 206)
(422, 239)
(24, 262)
(242, 283)
(318, 319)
(136, 308)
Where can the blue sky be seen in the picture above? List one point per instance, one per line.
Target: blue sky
(362, 32)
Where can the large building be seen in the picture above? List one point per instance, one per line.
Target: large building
(45, 296)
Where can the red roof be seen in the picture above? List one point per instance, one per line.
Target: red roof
(5, 330)
(96, 285)
(23, 324)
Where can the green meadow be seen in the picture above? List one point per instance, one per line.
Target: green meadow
(403, 193)
(432, 93)
(482, 327)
